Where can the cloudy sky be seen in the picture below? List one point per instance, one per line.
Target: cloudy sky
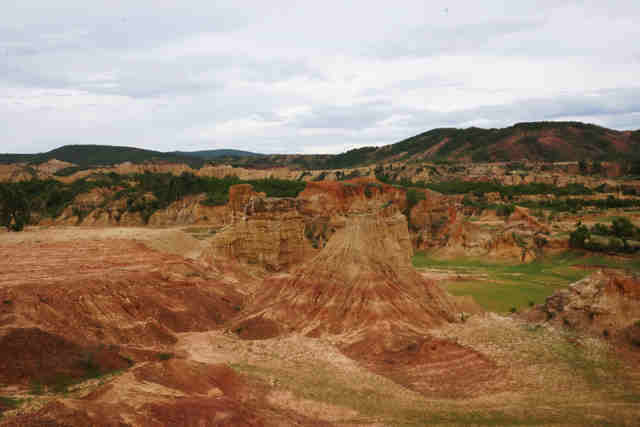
(307, 76)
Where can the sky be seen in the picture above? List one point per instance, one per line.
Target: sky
(283, 76)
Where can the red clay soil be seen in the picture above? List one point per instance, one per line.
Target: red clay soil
(58, 414)
(110, 292)
(605, 304)
(188, 411)
(431, 366)
(221, 412)
(339, 197)
(209, 395)
(193, 378)
(257, 328)
(32, 355)
(362, 278)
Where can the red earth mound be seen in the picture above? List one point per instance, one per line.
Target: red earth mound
(362, 278)
(606, 303)
(432, 366)
(110, 292)
(328, 198)
(35, 356)
(193, 378)
(170, 393)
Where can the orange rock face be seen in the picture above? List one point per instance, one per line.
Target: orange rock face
(265, 232)
(362, 279)
(604, 301)
(431, 366)
(113, 292)
(356, 195)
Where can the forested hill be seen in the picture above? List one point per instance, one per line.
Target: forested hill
(101, 155)
(216, 154)
(537, 141)
(540, 141)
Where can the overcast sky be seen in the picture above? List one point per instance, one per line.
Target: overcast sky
(307, 76)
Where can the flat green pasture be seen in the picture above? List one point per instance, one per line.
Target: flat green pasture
(503, 286)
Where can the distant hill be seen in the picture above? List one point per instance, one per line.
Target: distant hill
(101, 155)
(539, 141)
(216, 154)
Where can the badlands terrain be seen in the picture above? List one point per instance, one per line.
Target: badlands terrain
(400, 292)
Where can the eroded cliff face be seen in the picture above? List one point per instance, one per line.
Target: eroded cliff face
(440, 222)
(191, 210)
(362, 279)
(277, 233)
(606, 303)
(362, 290)
(23, 172)
(265, 232)
(332, 199)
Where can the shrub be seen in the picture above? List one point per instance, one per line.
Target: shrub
(414, 197)
(600, 229)
(215, 199)
(504, 210)
(578, 237)
(622, 227)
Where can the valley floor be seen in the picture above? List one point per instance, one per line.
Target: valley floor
(542, 375)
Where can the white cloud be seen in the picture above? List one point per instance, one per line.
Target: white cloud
(289, 76)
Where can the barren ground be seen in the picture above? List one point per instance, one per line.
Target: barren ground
(543, 376)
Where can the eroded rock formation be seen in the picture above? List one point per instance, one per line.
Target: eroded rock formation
(362, 279)
(606, 303)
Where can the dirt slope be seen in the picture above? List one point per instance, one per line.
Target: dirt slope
(362, 279)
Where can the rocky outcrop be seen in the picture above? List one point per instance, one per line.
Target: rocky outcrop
(331, 199)
(429, 217)
(362, 279)
(129, 294)
(442, 222)
(264, 232)
(522, 215)
(606, 303)
(191, 210)
(363, 290)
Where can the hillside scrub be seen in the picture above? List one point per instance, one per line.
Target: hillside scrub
(23, 202)
(621, 237)
(102, 155)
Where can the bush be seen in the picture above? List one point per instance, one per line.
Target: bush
(414, 197)
(215, 199)
(505, 210)
(620, 230)
(623, 228)
(601, 229)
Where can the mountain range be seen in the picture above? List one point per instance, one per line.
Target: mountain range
(537, 141)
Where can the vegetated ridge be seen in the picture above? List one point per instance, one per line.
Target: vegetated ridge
(534, 141)
(216, 154)
(541, 141)
(101, 155)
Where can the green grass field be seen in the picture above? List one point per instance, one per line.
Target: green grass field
(499, 287)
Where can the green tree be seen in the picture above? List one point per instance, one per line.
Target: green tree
(14, 208)
(578, 237)
(622, 228)
(582, 165)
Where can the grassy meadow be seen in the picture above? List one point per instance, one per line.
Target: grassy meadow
(502, 286)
